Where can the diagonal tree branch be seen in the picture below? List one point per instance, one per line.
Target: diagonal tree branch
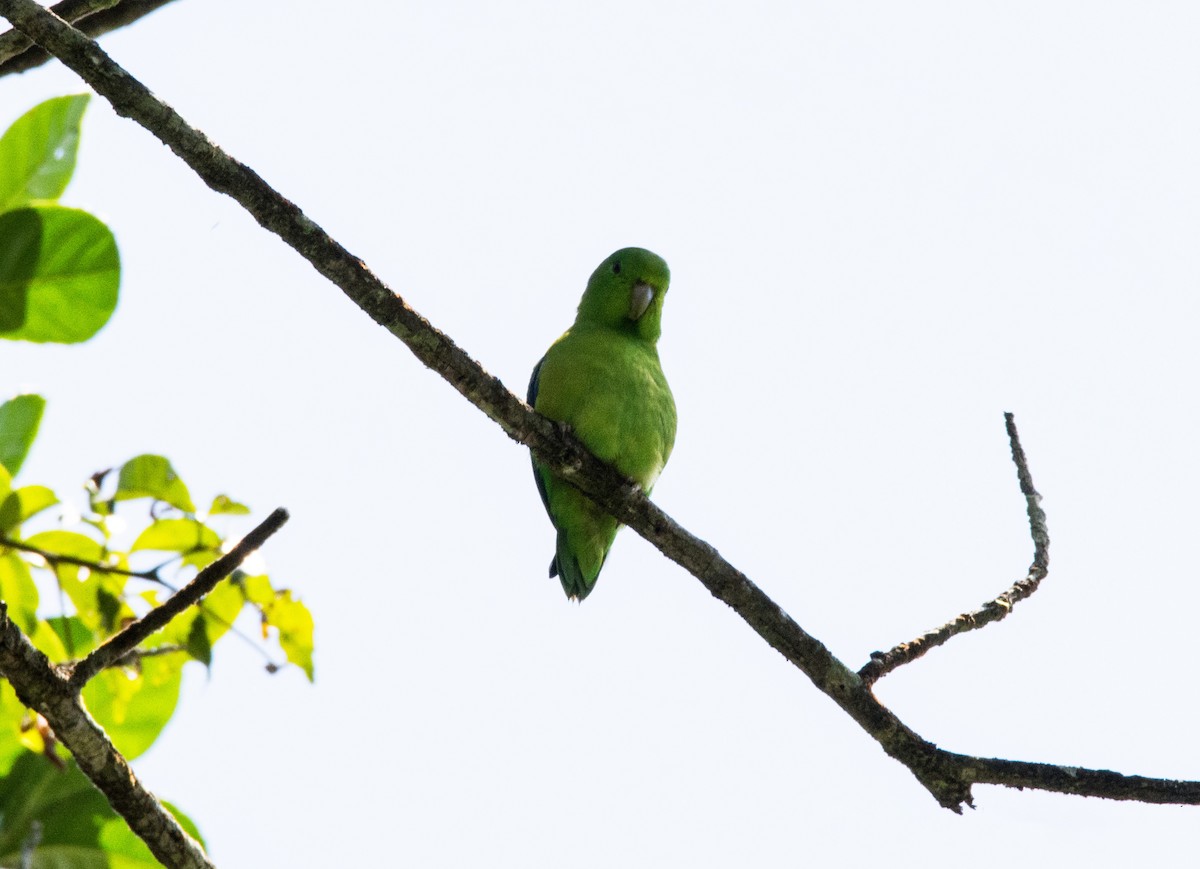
(94, 17)
(946, 775)
(122, 643)
(40, 688)
(54, 694)
(882, 663)
(564, 454)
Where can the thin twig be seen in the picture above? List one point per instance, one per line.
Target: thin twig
(947, 776)
(93, 17)
(15, 42)
(53, 558)
(994, 610)
(234, 631)
(135, 656)
(120, 644)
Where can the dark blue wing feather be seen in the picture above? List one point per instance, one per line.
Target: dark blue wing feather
(531, 398)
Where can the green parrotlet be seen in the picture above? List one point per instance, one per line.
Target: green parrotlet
(602, 378)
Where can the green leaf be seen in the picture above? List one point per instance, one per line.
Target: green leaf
(64, 638)
(149, 476)
(22, 504)
(85, 595)
(180, 628)
(18, 591)
(59, 274)
(257, 589)
(10, 512)
(20, 248)
(70, 543)
(197, 644)
(295, 625)
(176, 535)
(200, 558)
(34, 499)
(73, 634)
(63, 802)
(221, 608)
(134, 706)
(37, 153)
(82, 592)
(50, 644)
(198, 628)
(73, 544)
(12, 713)
(110, 606)
(19, 420)
(80, 830)
(225, 504)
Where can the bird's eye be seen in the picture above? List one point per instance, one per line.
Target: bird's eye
(617, 267)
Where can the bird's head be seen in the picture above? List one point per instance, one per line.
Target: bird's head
(626, 292)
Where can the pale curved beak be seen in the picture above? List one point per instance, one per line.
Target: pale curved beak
(639, 300)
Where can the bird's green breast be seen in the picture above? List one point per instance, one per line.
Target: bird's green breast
(609, 387)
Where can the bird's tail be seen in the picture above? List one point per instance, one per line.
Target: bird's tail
(566, 567)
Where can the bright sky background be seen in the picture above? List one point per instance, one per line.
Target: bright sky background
(887, 224)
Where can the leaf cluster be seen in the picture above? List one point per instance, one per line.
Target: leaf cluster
(70, 576)
(59, 267)
(60, 820)
(138, 538)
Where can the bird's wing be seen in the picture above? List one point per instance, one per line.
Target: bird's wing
(531, 398)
